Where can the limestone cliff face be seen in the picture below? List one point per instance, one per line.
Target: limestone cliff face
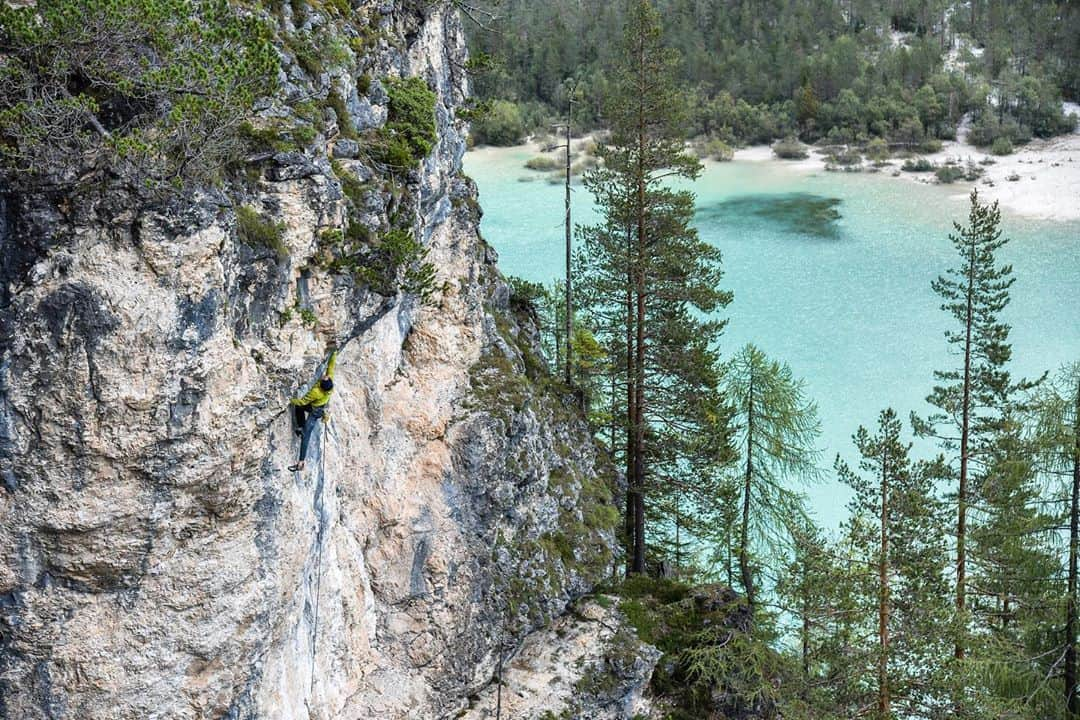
(159, 561)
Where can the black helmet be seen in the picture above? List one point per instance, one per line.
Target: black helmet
(326, 384)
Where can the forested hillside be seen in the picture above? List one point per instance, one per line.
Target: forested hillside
(841, 70)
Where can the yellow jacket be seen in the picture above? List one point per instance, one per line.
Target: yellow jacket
(316, 396)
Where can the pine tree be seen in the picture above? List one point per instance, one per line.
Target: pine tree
(648, 280)
(775, 431)
(820, 590)
(803, 590)
(694, 499)
(1015, 586)
(1005, 566)
(1057, 437)
(970, 398)
(691, 506)
(896, 527)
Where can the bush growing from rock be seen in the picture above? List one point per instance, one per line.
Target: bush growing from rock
(526, 294)
(409, 134)
(346, 128)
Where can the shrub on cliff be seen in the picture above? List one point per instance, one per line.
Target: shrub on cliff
(713, 665)
(391, 263)
(409, 134)
(256, 230)
(527, 295)
(159, 87)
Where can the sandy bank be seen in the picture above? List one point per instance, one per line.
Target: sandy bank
(1040, 180)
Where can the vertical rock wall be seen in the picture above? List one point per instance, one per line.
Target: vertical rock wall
(159, 561)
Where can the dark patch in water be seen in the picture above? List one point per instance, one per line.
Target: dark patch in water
(796, 213)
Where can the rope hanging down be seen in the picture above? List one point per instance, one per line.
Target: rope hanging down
(318, 539)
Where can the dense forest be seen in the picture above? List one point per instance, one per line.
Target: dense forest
(842, 71)
(950, 590)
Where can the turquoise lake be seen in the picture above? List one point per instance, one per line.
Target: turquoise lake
(831, 274)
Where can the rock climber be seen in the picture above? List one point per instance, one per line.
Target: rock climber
(312, 407)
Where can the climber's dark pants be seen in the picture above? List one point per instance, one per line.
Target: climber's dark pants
(306, 418)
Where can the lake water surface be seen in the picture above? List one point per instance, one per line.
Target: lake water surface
(831, 274)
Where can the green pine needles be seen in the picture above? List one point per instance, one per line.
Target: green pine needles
(390, 263)
(387, 263)
(776, 428)
(649, 285)
(409, 134)
(159, 85)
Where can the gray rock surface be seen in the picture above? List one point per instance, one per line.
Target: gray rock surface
(346, 149)
(159, 561)
(588, 664)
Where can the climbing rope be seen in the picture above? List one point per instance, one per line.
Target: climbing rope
(318, 562)
(320, 515)
(499, 670)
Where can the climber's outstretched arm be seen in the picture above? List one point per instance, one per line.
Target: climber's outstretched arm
(312, 395)
(330, 365)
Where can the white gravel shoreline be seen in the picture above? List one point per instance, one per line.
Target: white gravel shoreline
(1048, 187)
(1046, 172)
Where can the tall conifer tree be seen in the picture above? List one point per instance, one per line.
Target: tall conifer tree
(896, 527)
(1057, 436)
(775, 432)
(648, 280)
(971, 397)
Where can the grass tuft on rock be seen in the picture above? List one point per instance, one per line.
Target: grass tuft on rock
(258, 231)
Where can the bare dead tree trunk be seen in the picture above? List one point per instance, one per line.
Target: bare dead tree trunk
(805, 637)
(639, 340)
(631, 412)
(569, 248)
(678, 539)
